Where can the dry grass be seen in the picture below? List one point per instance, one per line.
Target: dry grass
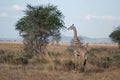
(62, 45)
(110, 46)
(11, 46)
(33, 72)
(101, 64)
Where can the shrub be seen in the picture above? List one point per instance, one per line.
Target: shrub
(55, 54)
(6, 57)
(116, 60)
(57, 62)
(104, 62)
(20, 60)
(70, 51)
(68, 65)
(40, 60)
(116, 57)
(28, 55)
(2, 52)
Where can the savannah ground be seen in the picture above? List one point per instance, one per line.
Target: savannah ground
(103, 63)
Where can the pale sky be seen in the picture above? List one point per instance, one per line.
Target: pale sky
(92, 18)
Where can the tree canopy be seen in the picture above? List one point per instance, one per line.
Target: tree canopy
(38, 24)
(115, 35)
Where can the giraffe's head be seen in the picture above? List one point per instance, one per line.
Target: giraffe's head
(72, 27)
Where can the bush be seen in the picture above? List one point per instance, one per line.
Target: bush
(2, 52)
(116, 57)
(116, 60)
(57, 62)
(40, 60)
(6, 57)
(103, 62)
(68, 65)
(97, 50)
(28, 55)
(70, 50)
(55, 54)
(20, 60)
(12, 57)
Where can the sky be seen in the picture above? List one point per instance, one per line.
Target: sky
(92, 18)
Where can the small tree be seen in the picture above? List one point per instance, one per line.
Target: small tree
(38, 24)
(115, 35)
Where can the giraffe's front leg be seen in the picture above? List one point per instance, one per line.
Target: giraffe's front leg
(76, 60)
(75, 56)
(79, 60)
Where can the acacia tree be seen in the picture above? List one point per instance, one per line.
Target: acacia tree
(115, 35)
(38, 24)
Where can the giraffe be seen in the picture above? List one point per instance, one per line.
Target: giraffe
(80, 51)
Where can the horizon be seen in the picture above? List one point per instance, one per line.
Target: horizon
(64, 38)
(71, 36)
(94, 19)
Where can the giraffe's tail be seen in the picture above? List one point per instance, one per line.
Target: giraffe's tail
(84, 62)
(85, 59)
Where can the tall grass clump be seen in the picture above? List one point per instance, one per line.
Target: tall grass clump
(104, 58)
(11, 57)
(57, 62)
(68, 65)
(41, 60)
(6, 56)
(70, 50)
(55, 54)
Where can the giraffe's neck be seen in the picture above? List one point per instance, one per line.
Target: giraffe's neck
(76, 39)
(75, 33)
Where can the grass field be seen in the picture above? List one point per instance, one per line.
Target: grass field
(103, 63)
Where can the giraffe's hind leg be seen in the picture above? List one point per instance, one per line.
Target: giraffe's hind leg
(84, 62)
(77, 61)
(75, 58)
